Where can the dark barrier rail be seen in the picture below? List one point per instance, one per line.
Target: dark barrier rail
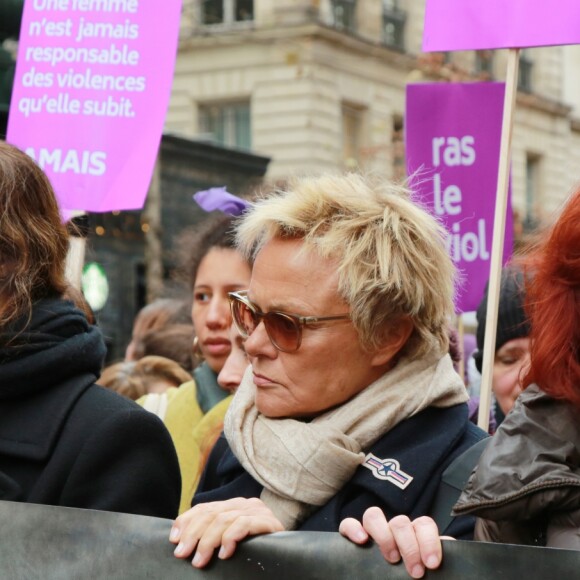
(61, 543)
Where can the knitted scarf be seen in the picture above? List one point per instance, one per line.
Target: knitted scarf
(302, 465)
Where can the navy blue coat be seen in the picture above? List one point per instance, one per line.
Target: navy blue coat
(423, 446)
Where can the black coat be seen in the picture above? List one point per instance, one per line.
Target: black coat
(423, 445)
(68, 442)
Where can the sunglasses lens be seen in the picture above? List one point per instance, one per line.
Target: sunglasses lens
(283, 330)
(244, 318)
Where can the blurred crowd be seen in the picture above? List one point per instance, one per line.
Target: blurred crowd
(311, 378)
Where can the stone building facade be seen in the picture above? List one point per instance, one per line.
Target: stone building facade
(319, 85)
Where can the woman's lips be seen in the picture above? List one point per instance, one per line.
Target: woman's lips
(217, 346)
(262, 381)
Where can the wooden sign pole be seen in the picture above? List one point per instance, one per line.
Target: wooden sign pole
(498, 236)
(461, 342)
(75, 258)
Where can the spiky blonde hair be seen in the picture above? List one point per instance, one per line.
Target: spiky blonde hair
(391, 252)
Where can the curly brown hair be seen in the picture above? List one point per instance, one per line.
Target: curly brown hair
(33, 239)
(194, 243)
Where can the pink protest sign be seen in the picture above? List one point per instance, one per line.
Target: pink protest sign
(92, 84)
(487, 24)
(452, 136)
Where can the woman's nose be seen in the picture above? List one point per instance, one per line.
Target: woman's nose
(259, 343)
(232, 372)
(218, 315)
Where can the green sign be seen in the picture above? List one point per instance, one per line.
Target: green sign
(95, 285)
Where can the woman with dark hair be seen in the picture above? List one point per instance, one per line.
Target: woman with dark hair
(63, 440)
(214, 267)
(512, 341)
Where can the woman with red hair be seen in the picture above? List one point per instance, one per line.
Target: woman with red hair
(526, 488)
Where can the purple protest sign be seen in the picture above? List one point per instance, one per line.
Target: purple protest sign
(452, 136)
(486, 24)
(90, 95)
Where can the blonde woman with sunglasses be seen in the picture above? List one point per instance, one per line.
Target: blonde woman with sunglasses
(350, 400)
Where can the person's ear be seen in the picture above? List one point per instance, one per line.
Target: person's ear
(394, 340)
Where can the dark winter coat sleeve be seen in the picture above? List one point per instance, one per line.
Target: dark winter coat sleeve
(66, 441)
(127, 464)
(108, 454)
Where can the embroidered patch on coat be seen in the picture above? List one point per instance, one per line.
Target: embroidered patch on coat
(388, 470)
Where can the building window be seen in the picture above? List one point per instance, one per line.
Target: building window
(226, 11)
(228, 124)
(484, 64)
(525, 72)
(352, 135)
(533, 176)
(398, 149)
(394, 19)
(343, 14)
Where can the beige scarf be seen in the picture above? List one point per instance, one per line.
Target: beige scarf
(303, 465)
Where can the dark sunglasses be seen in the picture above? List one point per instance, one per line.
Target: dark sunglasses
(284, 330)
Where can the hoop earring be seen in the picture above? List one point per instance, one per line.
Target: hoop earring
(197, 349)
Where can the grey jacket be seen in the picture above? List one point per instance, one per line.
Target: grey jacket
(526, 487)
